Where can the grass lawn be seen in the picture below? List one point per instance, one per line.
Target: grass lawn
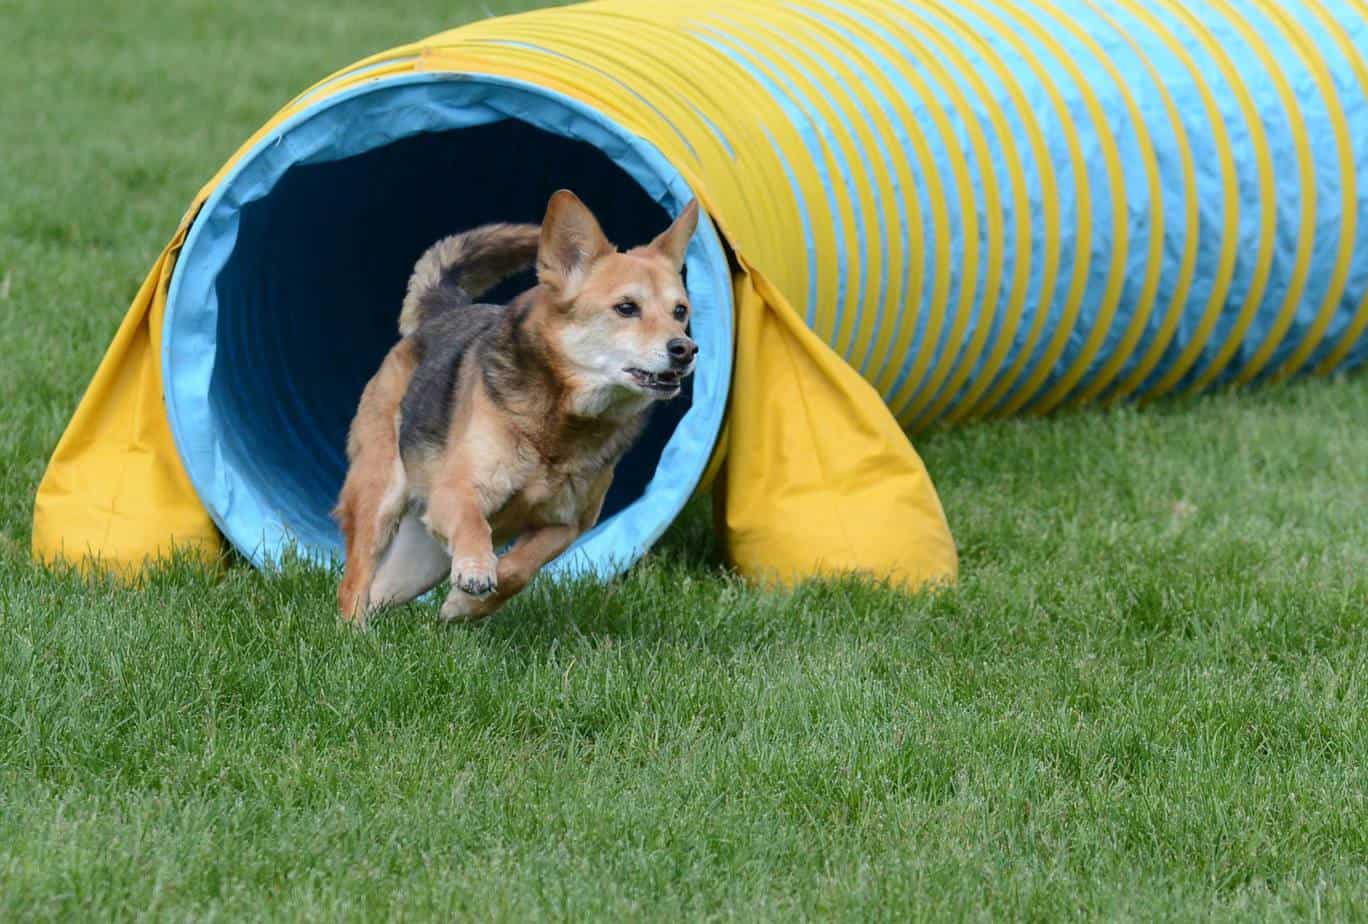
(1149, 696)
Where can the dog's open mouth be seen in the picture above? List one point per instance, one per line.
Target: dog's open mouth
(661, 382)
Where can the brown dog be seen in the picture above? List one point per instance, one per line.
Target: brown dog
(486, 424)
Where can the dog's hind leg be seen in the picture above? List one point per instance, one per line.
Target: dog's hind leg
(414, 564)
(374, 498)
(375, 493)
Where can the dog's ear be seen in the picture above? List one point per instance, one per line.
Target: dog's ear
(674, 240)
(571, 240)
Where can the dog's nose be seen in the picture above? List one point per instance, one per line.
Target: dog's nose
(681, 350)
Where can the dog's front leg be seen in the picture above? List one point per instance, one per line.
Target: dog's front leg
(455, 515)
(533, 549)
(516, 569)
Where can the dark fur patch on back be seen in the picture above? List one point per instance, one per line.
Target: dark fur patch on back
(441, 342)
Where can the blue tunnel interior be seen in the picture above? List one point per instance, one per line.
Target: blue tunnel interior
(317, 277)
(300, 301)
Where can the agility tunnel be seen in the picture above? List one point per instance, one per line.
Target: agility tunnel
(918, 213)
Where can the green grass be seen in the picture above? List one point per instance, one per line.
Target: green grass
(1147, 698)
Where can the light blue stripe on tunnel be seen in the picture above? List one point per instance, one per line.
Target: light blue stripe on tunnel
(368, 117)
(712, 127)
(1252, 208)
(801, 207)
(993, 165)
(1184, 89)
(917, 169)
(881, 256)
(943, 171)
(551, 53)
(956, 119)
(351, 74)
(1318, 143)
(954, 29)
(1175, 198)
(1284, 147)
(1138, 211)
(862, 256)
(1096, 248)
(1041, 111)
(815, 135)
(947, 152)
(1354, 101)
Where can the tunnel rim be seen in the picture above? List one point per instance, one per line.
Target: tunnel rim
(189, 325)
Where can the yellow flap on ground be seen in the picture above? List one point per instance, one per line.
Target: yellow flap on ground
(819, 478)
(115, 491)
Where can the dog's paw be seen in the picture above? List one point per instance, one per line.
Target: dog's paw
(462, 607)
(475, 576)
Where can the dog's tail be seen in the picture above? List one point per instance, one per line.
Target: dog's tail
(459, 269)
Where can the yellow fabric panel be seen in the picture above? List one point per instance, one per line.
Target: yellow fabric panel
(115, 494)
(819, 478)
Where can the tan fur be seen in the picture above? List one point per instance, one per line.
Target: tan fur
(532, 461)
(373, 450)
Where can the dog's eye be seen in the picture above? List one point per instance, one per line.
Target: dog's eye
(627, 308)
(680, 312)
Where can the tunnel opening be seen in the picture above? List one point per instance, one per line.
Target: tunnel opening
(287, 293)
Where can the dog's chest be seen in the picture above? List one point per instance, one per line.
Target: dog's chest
(545, 498)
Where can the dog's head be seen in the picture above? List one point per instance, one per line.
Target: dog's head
(617, 321)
